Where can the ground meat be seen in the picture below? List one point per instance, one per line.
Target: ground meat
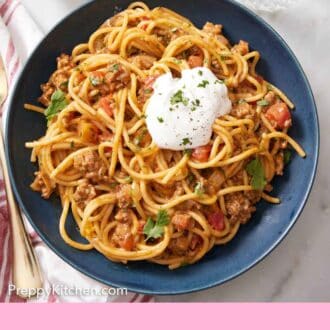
(84, 193)
(214, 29)
(239, 207)
(179, 246)
(189, 205)
(123, 237)
(43, 184)
(144, 62)
(91, 166)
(124, 215)
(58, 79)
(166, 36)
(124, 195)
(243, 110)
(215, 181)
(241, 48)
(181, 221)
(117, 78)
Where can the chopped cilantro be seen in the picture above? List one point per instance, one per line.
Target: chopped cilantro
(95, 81)
(113, 184)
(287, 156)
(160, 119)
(64, 84)
(203, 83)
(148, 91)
(128, 179)
(140, 137)
(200, 72)
(199, 189)
(155, 229)
(256, 170)
(115, 67)
(263, 103)
(57, 104)
(179, 98)
(186, 141)
(219, 81)
(196, 103)
(187, 152)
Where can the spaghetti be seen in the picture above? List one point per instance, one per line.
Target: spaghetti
(130, 199)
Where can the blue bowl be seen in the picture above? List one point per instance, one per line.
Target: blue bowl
(255, 240)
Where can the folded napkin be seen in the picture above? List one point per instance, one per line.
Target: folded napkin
(19, 35)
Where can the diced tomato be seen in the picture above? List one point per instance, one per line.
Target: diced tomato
(216, 221)
(128, 242)
(279, 115)
(106, 105)
(80, 77)
(195, 61)
(181, 221)
(202, 153)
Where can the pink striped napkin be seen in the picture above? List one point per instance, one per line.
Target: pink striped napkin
(18, 36)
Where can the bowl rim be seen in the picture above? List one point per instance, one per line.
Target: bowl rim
(199, 287)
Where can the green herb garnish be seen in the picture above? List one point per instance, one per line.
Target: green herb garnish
(160, 119)
(95, 81)
(203, 83)
(179, 98)
(140, 137)
(256, 170)
(57, 104)
(115, 67)
(199, 189)
(263, 103)
(187, 152)
(287, 156)
(186, 141)
(128, 179)
(148, 91)
(155, 229)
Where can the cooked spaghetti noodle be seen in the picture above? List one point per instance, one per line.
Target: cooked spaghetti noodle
(130, 199)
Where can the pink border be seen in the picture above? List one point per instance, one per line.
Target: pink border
(201, 316)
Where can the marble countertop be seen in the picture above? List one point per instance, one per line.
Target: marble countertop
(299, 268)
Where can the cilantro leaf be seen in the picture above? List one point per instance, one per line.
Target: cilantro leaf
(186, 141)
(155, 229)
(287, 156)
(179, 98)
(199, 189)
(203, 83)
(256, 170)
(57, 104)
(263, 103)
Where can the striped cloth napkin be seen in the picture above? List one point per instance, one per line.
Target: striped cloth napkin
(19, 35)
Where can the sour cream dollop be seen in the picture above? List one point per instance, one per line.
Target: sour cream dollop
(181, 111)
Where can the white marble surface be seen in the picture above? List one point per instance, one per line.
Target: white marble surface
(299, 269)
